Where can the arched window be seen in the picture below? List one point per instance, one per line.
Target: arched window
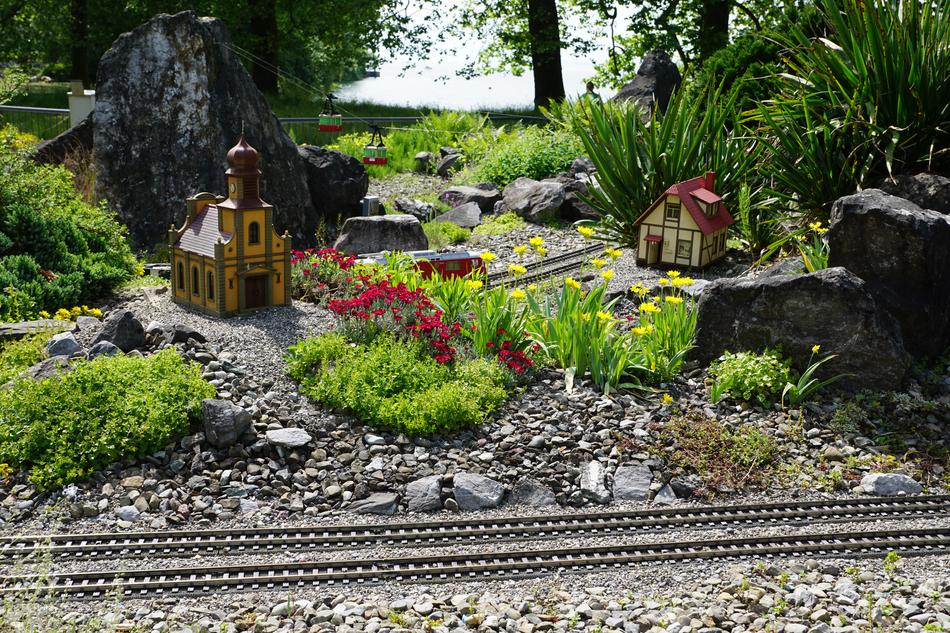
(195, 281)
(254, 233)
(181, 276)
(210, 290)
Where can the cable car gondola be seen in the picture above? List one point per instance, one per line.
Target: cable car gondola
(374, 152)
(330, 120)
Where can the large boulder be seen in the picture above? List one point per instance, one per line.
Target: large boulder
(459, 195)
(574, 207)
(424, 495)
(467, 216)
(381, 233)
(123, 330)
(928, 191)
(76, 141)
(657, 78)
(418, 209)
(535, 201)
(337, 182)
(477, 492)
(832, 308)
(63, 344)
(902, 252)
(171, 98)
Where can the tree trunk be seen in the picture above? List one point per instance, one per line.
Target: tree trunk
(79, 40)
(714, 29)
(545, 37)
(265, 44)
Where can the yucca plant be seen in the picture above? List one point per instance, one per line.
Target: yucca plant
(637, 161)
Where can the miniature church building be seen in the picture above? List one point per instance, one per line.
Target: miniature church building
(228, 258)
(685, 227)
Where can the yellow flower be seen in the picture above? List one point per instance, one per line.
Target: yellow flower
(532, 287)
(517, 270)
(542, 251)
(585, 316)
(640, 330)
(638, 290)
(598, 263)
(649, 307)
(518, 293)
(613, 253)
(607, 274)
(75, 311)
(667, 398)
(487, 257)
(817, 227)
(96, 312)
(572, 283)
(682, 281)
(674, 300)
(586, 231)
(664, 281)
(473, 284)
(520, 250)
(673, 274)
(603, 316)
(536, 242)
(815, 348)
(44, 314)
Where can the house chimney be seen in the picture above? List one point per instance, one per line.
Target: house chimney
(711, 181)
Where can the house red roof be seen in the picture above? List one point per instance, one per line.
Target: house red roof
(689, 191)
(201, 235)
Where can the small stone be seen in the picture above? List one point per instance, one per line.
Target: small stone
(63, 344)
(378, 503)
(289, 438)
(889, 484)
(128, 513)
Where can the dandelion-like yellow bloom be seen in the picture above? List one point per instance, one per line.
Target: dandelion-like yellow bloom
(75, 311)
(96, 312)
(536, 242)
(673, 274)
(585, 316)
(640, 330)
(674, 300)
(613, 253)
(532, 287)
(473, 284)
(667, 398)
(649, 307)
(518, 293)
(638, 290)
(815, 226)
(520, 250)
(541, 251)
(572, 283)
(682, 281)
(603, 316)
(517, 270)
(664, 281)
(586, 231)
(815, 348)
(607, 274)
(598, 263)
(44, 314)
(487, 257)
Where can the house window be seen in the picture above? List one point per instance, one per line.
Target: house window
(254, 233)
(195, 281)
(684, 249)
(210, 290)
(278, 277)
(673, 211)
(181, 276)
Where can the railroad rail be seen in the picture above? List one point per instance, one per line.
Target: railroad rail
(462, 531)
(549, 266)
(491, 565)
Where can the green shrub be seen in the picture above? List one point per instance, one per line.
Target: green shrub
(442, 234)
(533, 152)
(105, 410)
(500, 224)
(749, 376)
(17, 356)
(748, 67)
(396, 384)
(55, 250)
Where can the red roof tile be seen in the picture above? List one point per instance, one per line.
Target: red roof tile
(201, 235)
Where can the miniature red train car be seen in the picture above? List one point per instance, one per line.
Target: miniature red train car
(451, 264)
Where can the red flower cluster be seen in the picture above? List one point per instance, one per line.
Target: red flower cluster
(414, 313)
(515, 360)
(323, 255)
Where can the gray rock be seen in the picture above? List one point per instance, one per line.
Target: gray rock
(665, 496)
(592, 483)
(531, 492)
(582, 165)
(377, 503)
(20, 329)
(902, 252)
(172, 93)
(467, 215)
(461, 195)
(422, 211)
(424, 495)
(87, 323)
(337, 182)
(180, 333)
(224, 422)
(423, 162)
(103, 348)
(574, 207)
(928, 191)
(657, 78)
(76, 141)
(123, 330)
(63, 344)
(830, 307)
(889, 484)
(477, 492)
(128, 513)
(785, 267)
(289, 437)
(535, 201)
(49, 367)
(686, 486)
(632, 483)
(381, 233)
(448, 164)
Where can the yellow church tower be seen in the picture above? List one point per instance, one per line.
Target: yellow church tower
(227, 258)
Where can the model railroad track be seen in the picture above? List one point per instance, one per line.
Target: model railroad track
(549, 266)
(491, 565)
(462, 531)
